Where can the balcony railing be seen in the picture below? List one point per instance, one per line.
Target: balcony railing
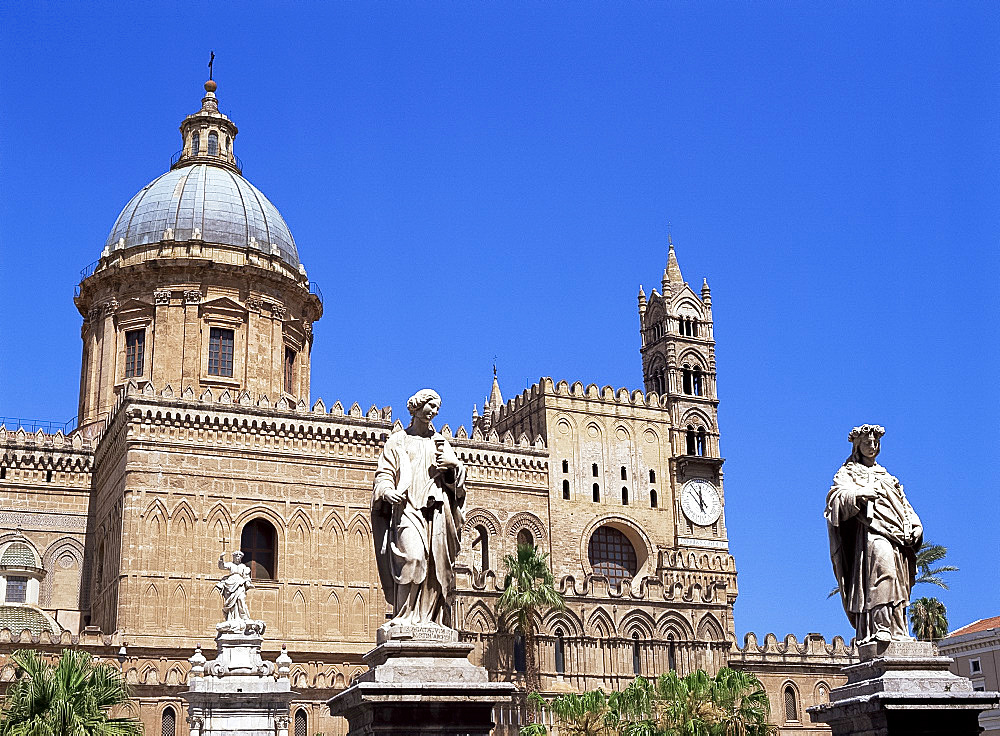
(205, 158)
(12, 424)
(314, 289)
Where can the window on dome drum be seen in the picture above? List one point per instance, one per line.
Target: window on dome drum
(195, 144)
(636, 655)
(226, 149)
(652, 476)
(671, 653)
(213, 144)
(17, 589)
(565, 466)
(289, 370)
(168, 722)
(259, 545)
(791, 706)
(652, 498)
(301, 723)
(560, 652)
(481, 547)
(135, 351)
(593, 469)
(524, 538)
(690, 443)
(597, 492)
(566, 490)
(612, 555)
(520, 660)
(624, 496)
(220, 352)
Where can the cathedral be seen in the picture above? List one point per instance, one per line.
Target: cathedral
(197, 434)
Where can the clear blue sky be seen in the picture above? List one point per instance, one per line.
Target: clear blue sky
(490, 179)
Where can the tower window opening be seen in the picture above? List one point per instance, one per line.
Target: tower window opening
(702, 441)
(636, 658)
(597, 492)
(195, 143)
(652, 476)
(694, 328)
(135, 350)
(652, 498)
(520, 660)
(624, 473)
(662, 382)
(791, 706)
(593, 469)
(691, 443)
(17, 589)
(524, 538)
(624, 496)
(560, 652)
(220, 352)
(686, 379)
(566, 490)
(213, 144)
(48, 476)
(482, 547)
(289, 370)
(671, 653)
(565, 466)
(696, 381)
(301, 723)
(258, 542)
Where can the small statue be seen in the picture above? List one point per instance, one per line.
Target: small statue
(417, 516)
(874, 538)
(233, 589)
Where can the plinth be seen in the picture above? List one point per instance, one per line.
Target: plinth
(238, 692)
(903, 687)
(416, 686)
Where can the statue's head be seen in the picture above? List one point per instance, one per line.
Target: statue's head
(426, 401)
(237, 557)
(866, 441)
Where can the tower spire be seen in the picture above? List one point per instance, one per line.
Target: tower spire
(673, 270)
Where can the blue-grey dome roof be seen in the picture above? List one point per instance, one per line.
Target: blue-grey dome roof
(224, 206)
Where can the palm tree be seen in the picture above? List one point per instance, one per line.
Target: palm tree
(929, 619)
(578, 714)
(529, 589)
(927, 555)
(731, 703)
(73, 698)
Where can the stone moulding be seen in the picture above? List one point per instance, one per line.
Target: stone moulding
(814, 645)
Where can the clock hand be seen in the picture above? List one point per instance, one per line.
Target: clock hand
(701, 501)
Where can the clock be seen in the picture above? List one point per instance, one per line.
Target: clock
(700, 502)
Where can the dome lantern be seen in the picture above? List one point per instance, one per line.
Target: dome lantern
(208, 135)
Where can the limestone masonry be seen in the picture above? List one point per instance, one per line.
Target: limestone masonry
(197, 435)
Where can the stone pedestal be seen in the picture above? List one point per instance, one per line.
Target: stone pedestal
(421, 687)
(903, 687)
(238, 692)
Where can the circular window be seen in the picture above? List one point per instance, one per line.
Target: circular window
(612, 555)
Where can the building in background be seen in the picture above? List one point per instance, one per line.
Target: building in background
(976, 651)
(197, 434)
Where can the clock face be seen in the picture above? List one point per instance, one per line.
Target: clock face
(700, 502)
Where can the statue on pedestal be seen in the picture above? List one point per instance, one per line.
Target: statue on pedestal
(417, 517)
(874, 538)
(233, 589)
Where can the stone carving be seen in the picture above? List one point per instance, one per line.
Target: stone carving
(417, 516)
(233, 589)
(192, 296)
(254, 304)
(278, 311)
(874, 536)
(161, 297)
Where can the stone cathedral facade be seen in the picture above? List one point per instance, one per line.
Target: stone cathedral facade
(197, 433)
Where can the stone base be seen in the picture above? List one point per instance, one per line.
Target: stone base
(903, 687)
(421, 687)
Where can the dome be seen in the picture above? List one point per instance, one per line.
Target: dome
(223, 206)
(18, 618)
(18, 554)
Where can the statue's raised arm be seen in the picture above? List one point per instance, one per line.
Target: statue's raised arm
(874, 537)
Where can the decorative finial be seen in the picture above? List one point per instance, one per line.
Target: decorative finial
(670, 238)
(211, 64)
(210, 85)
(494, 368)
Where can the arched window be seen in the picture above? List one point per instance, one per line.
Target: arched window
(226, 149)
(560, 652)
(691, 445)
(652, 498)
(566, 489)
(565, 466)
(624, 496)
(520, 661)
(791, 704)
(481, 548)
(652, 476)
(259, 543)
(524, 538)
(671, 653)
(636, 658)
(213, 144)
(624, 473)
(593, 469)
(612, 555)
(694, 328)
(301, 723)
(702, 441)
(686, 378)
(168, 722)
(597, 492)
(195, 143)
(696, 381)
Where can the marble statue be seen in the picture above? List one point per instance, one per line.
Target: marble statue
(233, 589)
(874, 538)
(417, 516)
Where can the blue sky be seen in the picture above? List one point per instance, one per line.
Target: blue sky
(470, 181)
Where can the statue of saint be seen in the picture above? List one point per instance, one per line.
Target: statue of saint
(874, 538)
(417, 516)
(233, 589)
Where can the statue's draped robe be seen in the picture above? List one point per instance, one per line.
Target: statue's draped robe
(417, 540)
(233, 588)
(873, 548)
